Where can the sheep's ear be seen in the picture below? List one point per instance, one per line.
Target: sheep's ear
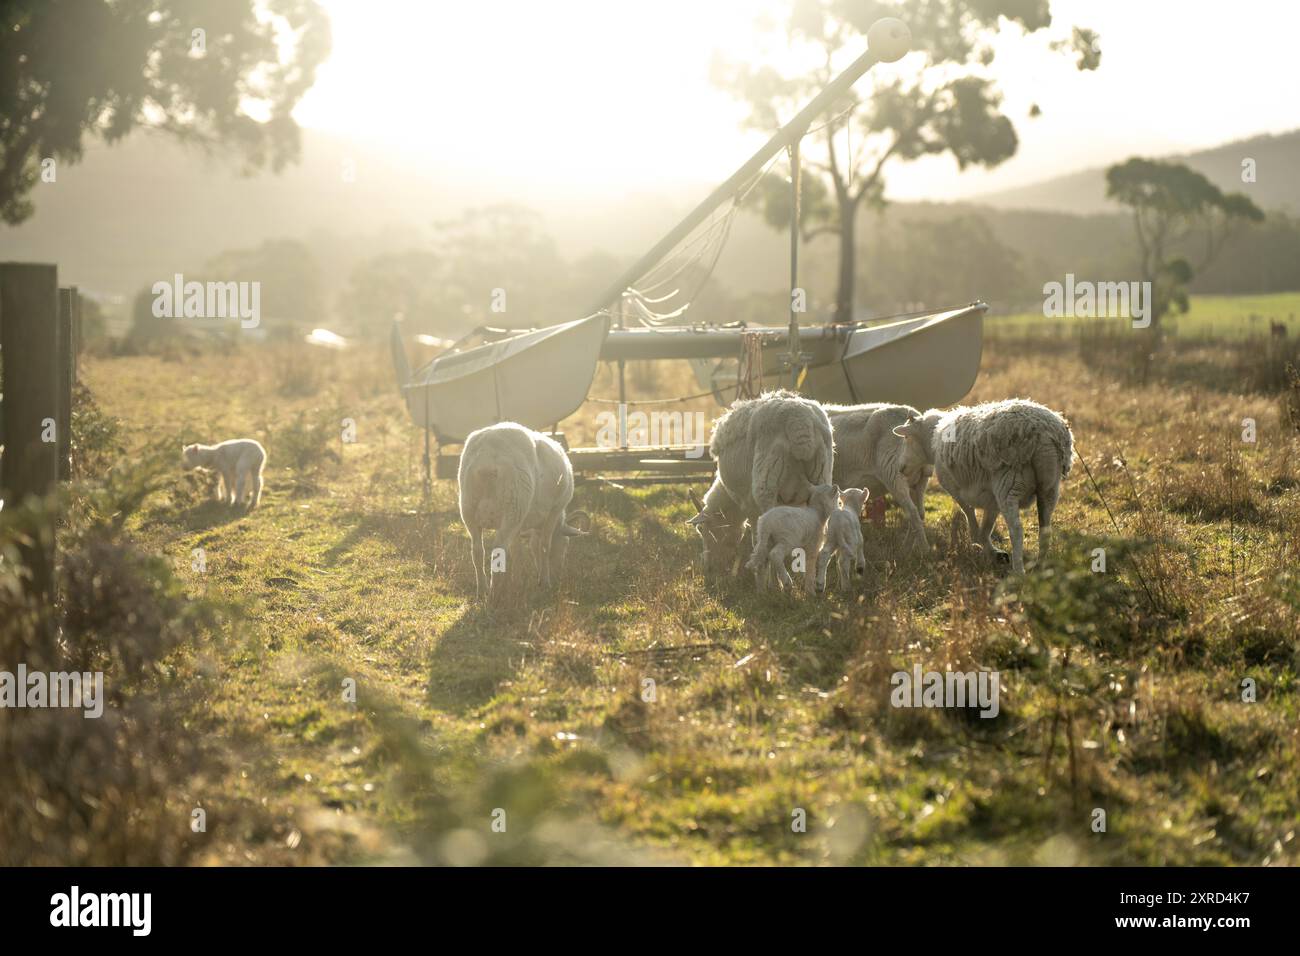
(695, 522)
(695, 499)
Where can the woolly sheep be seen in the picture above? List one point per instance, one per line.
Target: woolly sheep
(844, 539)
(238, 463)
(518, 482)
(869, 455)
(772, 450)
(784, 528)
(998, 456)
(720, 525)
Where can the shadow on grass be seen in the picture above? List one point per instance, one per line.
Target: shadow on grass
(418, 536)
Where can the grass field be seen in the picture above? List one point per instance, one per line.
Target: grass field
(1219, 316)
(1122, 690)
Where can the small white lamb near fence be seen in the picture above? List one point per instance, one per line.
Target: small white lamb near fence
(238, 463)
(844, 539)
(720, 524)
(772, 450)
(515, 481)
(868, 454)
(998, 456)
(785, 528)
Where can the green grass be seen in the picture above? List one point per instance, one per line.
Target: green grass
(764, 706)
(1220, 316)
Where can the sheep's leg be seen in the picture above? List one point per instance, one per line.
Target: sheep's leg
(823, 559)
(239, 487)
(985, 533)
(902, 493)
(503, 543)
(777, 557)
(972, 522)
(1047, 474)
(221, 487)
(844, 560)
(1009, 502)
(559, 549)
(810, 569)
(256, 493)
(230, 488)
(476, 555)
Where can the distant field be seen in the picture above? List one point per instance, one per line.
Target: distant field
(1122, 690)
(1210, 315)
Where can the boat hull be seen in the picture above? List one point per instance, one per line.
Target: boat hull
(535, 379)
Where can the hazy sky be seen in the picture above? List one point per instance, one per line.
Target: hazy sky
(609, 97)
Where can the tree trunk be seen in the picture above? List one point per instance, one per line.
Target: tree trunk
(848, 261)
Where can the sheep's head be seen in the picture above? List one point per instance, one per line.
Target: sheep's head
(719, 531)
(915, 433)
(824, 499)
(855, 500)
(190, 457)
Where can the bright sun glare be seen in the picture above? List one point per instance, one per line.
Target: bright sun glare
(607, 97)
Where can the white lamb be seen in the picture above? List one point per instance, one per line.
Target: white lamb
(720, 524)
(868, 454)
(998, 456)
(238, 464)
(517, 482)
(771, 450)
(844, 539)
(785, 528)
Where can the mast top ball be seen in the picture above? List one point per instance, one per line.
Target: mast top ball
(889, 39)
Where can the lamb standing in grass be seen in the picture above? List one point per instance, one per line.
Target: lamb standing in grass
(869, 455)
(844, 539)
(772, 450)
(238, 464)
(515, 481)
(783, 529)
(998, 456)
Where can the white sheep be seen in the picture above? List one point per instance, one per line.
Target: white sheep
(998, 456)
(786, 528)
(518, 482)
(772, 450)
(868, 454)
(238, 462)
(720, 524)
(844, 539)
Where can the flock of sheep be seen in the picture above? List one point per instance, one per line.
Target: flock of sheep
(795, 473)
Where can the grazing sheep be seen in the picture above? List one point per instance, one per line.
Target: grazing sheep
(782, 529)
(869, 455)
(720, 525)
(998, 456)
(518, 482)
(844, 539)
(238, 464)
(772, 450)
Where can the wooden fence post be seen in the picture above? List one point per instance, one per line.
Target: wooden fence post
(29, 311)
(64, 346)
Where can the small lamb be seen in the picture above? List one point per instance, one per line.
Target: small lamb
(785, 528)
(868, 454)
(844, 539)
(720, 524)
(238, 464)
(998, 456)
(518, 482)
